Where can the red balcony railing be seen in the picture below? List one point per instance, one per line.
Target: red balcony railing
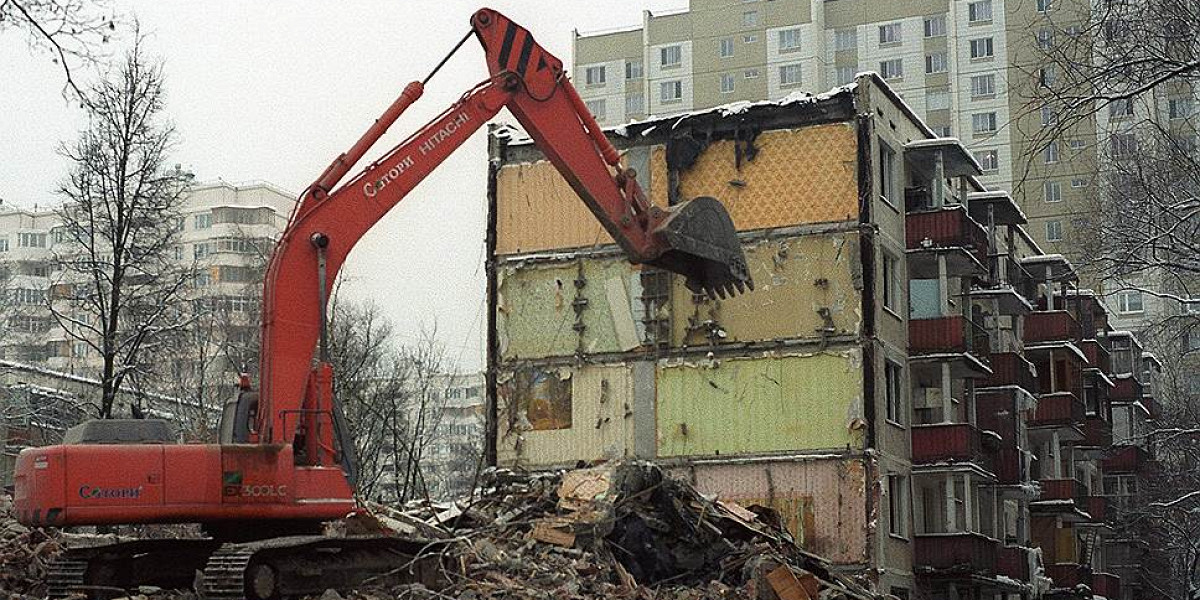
(956, 550)
(1097, 432)
(1126, 459)
(960, 442)
(1069, 575)
(1097, 355)
(949, 227)
(1013, 561)
(1097, 507)
(1051, 326)
(1058, 409)
(1010, 368)
(1128, 389)
(948, 334)
(1063, 489)
(1107, 585)
(1008, 466)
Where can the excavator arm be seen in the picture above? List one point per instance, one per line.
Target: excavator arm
(695, 239)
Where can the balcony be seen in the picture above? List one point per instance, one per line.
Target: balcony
(1069, 575)
(1010, 368)
(953, 334)
(1013, 561)
(1058, 409)
(1097, 507)
(1107, 585)
(949, 232)
(1063, 489)
(1097, 355)
(959, 551)
(1128, 389)
(1050, 326)
(1097, 432)
(1126, 459)
(957, 442)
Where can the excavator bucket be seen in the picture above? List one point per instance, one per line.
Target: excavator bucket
(702, 245)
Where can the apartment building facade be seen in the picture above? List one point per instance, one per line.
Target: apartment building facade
(226, 235)
(968, 68)
(900, 387)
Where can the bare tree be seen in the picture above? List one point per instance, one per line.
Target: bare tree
(71, 31)
(120, 290)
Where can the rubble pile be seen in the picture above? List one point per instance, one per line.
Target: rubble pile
(623, 530)
(24, 555)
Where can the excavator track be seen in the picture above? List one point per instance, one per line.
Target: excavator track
(225, 573)
(64, 576)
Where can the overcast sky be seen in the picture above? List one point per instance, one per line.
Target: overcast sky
(275, 90)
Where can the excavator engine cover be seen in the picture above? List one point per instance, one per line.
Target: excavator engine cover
(703, 246)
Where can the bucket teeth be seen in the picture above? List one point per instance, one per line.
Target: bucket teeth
(701, 243)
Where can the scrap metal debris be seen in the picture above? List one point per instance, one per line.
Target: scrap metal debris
(623, 530)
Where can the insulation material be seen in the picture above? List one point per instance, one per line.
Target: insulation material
(563, 308)
(799, 176)
(599, 416)
(822, 502)
(758, 405)
(805, 288)
(536, 210)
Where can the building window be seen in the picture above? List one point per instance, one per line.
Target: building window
(750, 18)
(1078, 145)
(845, 75)
(845, 39)
(178, 252)
(1049, 117)
(1079, 182)
(1130, 302)
(941, 130)
(1050, 154)
(726, 48)
(983, 86)
(894, 391)
(634, 104)
(202, 221)
(989, 160)
(1043, 6)
(670, 91)
(1121, 107)
(597, 108)
(936, 63)
(1052, 191)
(891, 282)
(1123, 145)
(726, 83)
(201, 250)
(1054, 231)
(789, 40)
(749, 38)
(671, 56)
(3, 244)
(937, 99)
(889, 34)
(887, 173)
(982, 123)
(1047, 75)
(633, 69)
(751, 74)
(31, 240)
(898, 505)
(891, 69)
(594, 75)
(789, 75)
(935, 26)
(981, 48)
(1179, 108)
(979, 12)
(1045, 38)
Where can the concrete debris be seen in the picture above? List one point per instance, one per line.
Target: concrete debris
(623, 530)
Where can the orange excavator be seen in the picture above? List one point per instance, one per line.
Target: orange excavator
(285, 463)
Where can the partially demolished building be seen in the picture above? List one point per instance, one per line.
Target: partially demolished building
(883, 388)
